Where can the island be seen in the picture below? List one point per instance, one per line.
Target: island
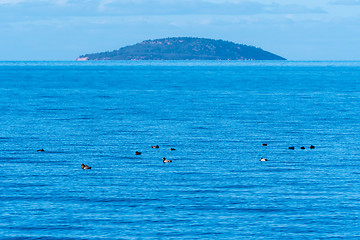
(184, 48)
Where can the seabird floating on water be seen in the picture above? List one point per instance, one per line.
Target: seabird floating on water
(166, 160)
(83, 166)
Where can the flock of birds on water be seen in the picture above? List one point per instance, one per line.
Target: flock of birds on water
(84, 166)
(157, 146)
(292, 148)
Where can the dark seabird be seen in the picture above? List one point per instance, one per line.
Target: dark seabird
(83, 166)
(166, 160)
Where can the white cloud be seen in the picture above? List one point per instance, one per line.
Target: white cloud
(14, 2)
(104, 3)
(166, 7)
(346, 2)
(61, 2)
(3, 2)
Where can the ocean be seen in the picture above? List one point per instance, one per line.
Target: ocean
(216, 114)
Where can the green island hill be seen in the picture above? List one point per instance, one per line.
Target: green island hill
(184, 48)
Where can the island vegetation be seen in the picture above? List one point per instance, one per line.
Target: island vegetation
(184, 48)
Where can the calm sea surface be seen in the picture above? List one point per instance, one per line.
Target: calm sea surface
(216, 115)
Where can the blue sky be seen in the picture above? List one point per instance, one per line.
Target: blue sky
(65, 29)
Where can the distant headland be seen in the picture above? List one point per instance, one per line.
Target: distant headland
(184, 48)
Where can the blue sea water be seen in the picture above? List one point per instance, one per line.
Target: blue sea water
(216, 114)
